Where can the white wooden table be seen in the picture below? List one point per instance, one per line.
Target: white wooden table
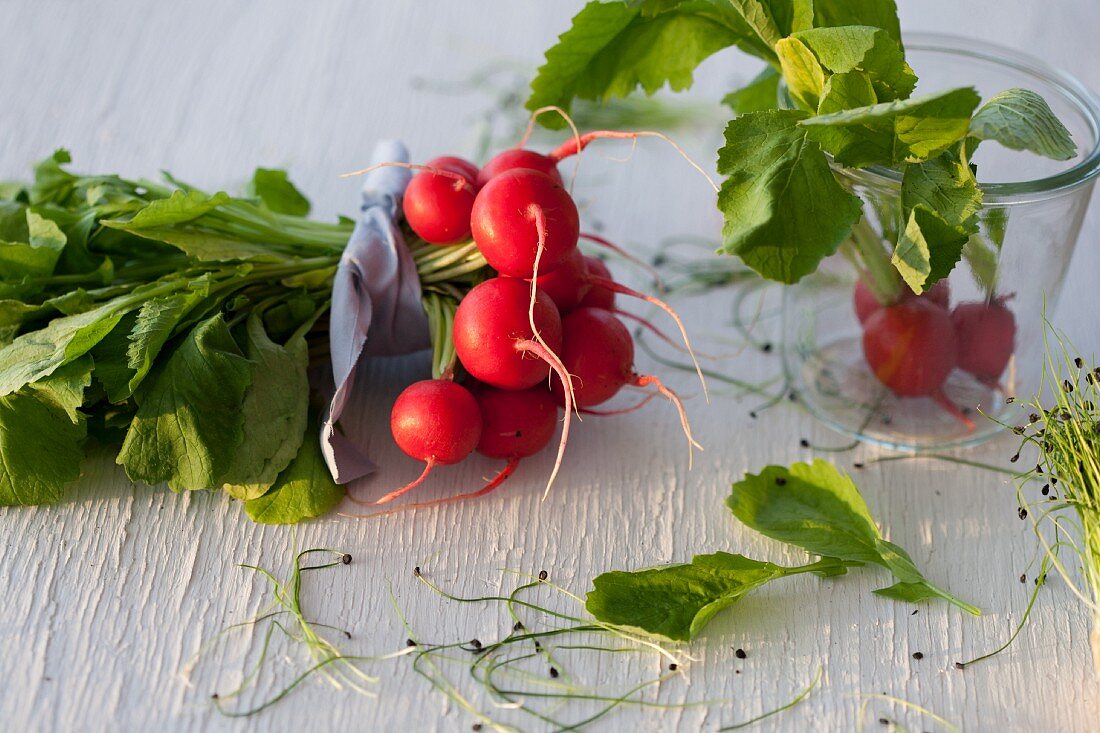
(107, 596)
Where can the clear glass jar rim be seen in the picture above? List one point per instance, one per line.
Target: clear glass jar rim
(1070, 87)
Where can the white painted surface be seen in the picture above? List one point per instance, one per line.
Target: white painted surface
(107, 596)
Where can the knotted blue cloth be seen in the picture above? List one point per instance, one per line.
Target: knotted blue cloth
(376, 308)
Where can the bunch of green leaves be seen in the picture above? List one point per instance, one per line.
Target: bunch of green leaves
(177, 325)
(811, 506)
(847, 96)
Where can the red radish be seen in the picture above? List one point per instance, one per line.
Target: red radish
(437, 205)
(911, 348)
(435, 421)
(522, 214)
(493, 336)
(987, 338)
(598, 296)
(599, 354)
(461, 166)
(865, 302)
(567, 284)
(516, 424)
(518, 158)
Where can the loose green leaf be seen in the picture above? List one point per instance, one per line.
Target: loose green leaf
(907, 592)
(1021, 119)
(189, 423)
(893, 133)
(275, 411)
(928, 249)
(811, 506)
(304, 489)
(676, 601)
(42, 435)
(846, 90)
(759, 94)
(861, 48)
(273, 187)
(876, 13)
(802, 72)
(784, 210)
(613, 48)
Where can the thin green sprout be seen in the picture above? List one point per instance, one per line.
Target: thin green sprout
(868, 697)
(794, 701)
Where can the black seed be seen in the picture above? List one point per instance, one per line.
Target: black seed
(1023, 577)
(918, 655)
(804, 443)
(1079, 362)
(1019, 430)
(857, 464)
(766, 348)
(780, 481)
(518, 626)
(884, 721)
(740, 654)
(538, 646)
(1045, 490)
(1014, 458)
(553, 672)
(792, 396)
(959, 665)
(475, 726)
(673, 667)
(475, 643)
(1022, 512)
(1033, 417)
(737, 671)
(543, 575)
(1038, 468)
(214, 696)
(915, 612)
(416, 571)
(1067, 385)
(410, 642)
(346, 559)
(347, 634)
(1010, 400)
(752, 414)
(1053, 480)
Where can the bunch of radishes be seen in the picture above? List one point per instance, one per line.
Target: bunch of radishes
(540, 335)
(913, 344)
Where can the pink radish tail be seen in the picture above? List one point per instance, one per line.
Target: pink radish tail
(613, 286)
(646, 380)
(459, 179)
(428, 466)
(577, 144)
(566, 380)
(952, 409)
(501, 477)
(540, 112)
(637, 261)
(607, 413)
(540, 226)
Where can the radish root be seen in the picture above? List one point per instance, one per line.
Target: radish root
(567, 383)
(428, 466)
(577, 144)
(952, 409)
(496, 481)
(646, 380)
(460, 180)
(607, 413)
(637, 261)
(613, 286)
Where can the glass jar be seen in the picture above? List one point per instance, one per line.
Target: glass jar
(998, 295)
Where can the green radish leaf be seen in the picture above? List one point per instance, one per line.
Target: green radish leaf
(42, 435)
(928, 248)
(876, 13)
(947, 186)
(180, 207)
(275, 410)
(52, 183)
(676, 601)
(1021, 119)
(189, 423)
(803, 74)
(773, 171)
(112, 363)
(908, 592)
(209, 246)
(304, 489)
(36, 256)
(872, 51)
(812, 506)
(759, 94)
(893, 133)
(35, 355)
(614, 48)
(846, 90)
(274, 189)
(154, 325)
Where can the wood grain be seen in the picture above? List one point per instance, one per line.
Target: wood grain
(107, 596)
